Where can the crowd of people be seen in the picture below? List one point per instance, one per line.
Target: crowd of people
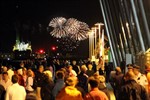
(64, 80)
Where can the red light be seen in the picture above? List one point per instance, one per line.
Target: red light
(41, 51)
(53, 48)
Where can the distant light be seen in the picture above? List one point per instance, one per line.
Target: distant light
(17, 6)
(57, 54)
(41, 51)
(8, 58)
(53, 48)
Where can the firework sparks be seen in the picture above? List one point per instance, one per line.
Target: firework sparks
(58, 33)
(82, 32)
(72, 28)
(67, 44)
(57, 22)
(72, 25)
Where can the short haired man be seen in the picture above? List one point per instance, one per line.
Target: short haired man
(139, 77)
(95, 93)
(6, 82)
(15, 91)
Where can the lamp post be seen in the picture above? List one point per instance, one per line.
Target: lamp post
(99, 34)
(90, 44)
(94, 30)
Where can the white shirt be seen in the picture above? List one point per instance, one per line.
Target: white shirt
(141, 79)
(6, 84)
(10, 73)
(15, 92)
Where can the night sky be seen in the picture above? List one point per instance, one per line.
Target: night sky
(30, 19)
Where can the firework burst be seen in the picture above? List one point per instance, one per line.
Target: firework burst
(58, 22)
(72, 28)
(72, 25)
(82, 32)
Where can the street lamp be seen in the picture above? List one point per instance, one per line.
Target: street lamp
(94, 29)
(99, 32)
(91, 43)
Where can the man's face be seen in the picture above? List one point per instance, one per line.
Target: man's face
(5, 76)
(41, 69)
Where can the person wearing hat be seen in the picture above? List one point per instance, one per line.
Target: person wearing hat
(131, 90)
(139, 77)
(129, 67)
(70, 92)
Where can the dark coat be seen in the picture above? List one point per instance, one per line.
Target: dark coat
(83, 81)
(133, 91)
(46, 89)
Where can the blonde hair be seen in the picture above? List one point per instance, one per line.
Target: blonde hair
(90, 66)
(118, 69)
(72, 81)
(83, 68)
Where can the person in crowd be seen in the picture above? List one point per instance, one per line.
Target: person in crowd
(90, 71)
(83, 78)
(101, 66)
(29, 82)
(57, 65)
(88, 62)
(95, 93)
(129, 67)
(147, 73)
(75, 67)
(70, 92)
(94, 66)
(123, 65)
(139, 77)
(117, 81)
(59, 84)
(66, 73)
(46, 88)
(21, 80)
(132, 90)
(4, 68)
(38, 79)
(71, 73)
(108, 68)
(2, 92)
(10, 71)
(24, 75)
(19, 71)
(52, 69)
(31, 96)
(102, 85)
(5, 82)
(22, 64)
(48, 72)
(15, 91)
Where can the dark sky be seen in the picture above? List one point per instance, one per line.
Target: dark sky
(30, 18)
